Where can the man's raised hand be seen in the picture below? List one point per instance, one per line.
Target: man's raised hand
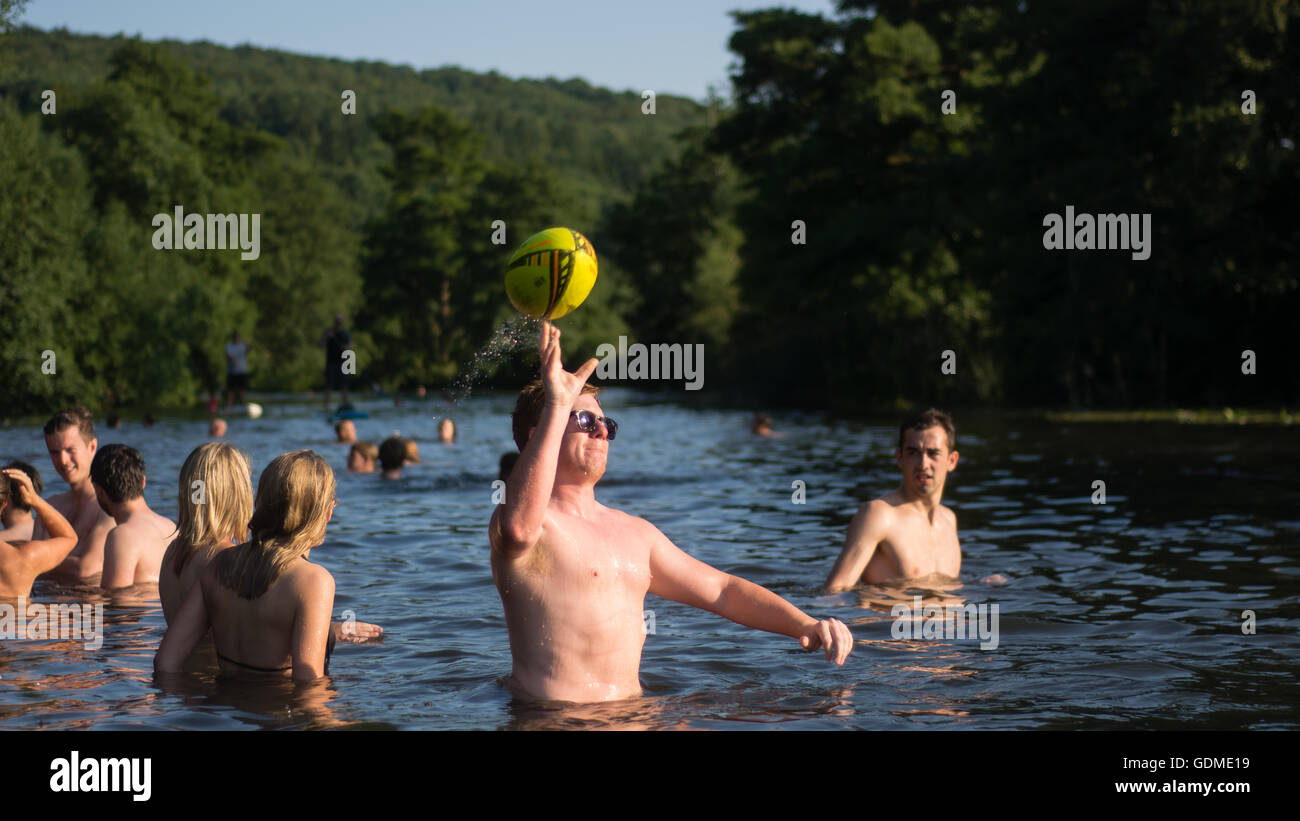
(562, 388)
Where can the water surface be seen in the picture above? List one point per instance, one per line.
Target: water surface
(1126, 614)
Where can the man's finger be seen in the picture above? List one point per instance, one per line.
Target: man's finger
(584, 373)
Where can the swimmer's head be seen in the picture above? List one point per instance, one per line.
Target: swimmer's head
(446, 430)
(70, 440)
(528, 409)
(15, 498)
(345, 431)
(217, 428)
(362, 457)
(215, 499)
(295, 502)
(117, 472)
(392, 453)
(926, 452)
(506, 465)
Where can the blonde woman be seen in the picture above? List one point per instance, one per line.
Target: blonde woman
(268, 606)
(216, 502)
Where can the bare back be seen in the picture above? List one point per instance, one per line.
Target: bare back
(133, 551)
(574, 604)
(275, 631)
(174, 587)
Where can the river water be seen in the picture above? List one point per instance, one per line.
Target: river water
(1127, 614)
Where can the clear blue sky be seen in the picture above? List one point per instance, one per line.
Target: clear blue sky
(670, 46)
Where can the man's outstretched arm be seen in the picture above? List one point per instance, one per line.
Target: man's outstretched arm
(517, 524)
(680, 577)
(866, 532)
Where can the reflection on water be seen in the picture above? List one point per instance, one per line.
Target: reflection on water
(1125, 614)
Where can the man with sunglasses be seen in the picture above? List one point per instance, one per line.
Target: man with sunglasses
(573, 573)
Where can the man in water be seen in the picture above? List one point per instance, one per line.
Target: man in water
(573, 574)
(337, 342)
(345, 432)
(907, 534)
(133, 550)
(70, 439)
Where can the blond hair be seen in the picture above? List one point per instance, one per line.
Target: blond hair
(295, 497)
(215, 499)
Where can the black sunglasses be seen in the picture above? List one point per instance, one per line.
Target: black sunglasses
(587, 423)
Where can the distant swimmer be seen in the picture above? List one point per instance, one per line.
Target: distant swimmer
(20, 564)
(762, 425)
(446, 430)
(362, 457)
(392, 456)
(70, 440)
(506, 465)
(16, 520)
(133, 551)
(412, 452)
(345, 432)
(907, 534)
(573, 574)
(216, 428)
(267, 604)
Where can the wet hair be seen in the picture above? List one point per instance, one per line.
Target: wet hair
(118, 470)
(528, 409)
(506, 465)
(368, 450)
(14, 495)
(213, 512)
(295, 496)
(68, 417)
(392, 453)
(930, 418)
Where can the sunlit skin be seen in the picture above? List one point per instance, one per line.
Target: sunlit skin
(21, 564)
(71, 456)
(906, 535)
(347, 432)
(573, 574)
(133, 551)
(446, 431)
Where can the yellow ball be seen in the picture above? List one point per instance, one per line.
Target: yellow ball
(551, 273)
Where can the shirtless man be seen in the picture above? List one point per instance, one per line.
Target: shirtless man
(573, 574)
(70, 439)
(907, 534)
(21, 564)
(133, 550)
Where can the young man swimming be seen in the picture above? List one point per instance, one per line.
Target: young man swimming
(907, 534)
(70, 440)
(133, 551)
(573, 573)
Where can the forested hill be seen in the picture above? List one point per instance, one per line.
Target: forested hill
(597, 137)
(384, 214)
